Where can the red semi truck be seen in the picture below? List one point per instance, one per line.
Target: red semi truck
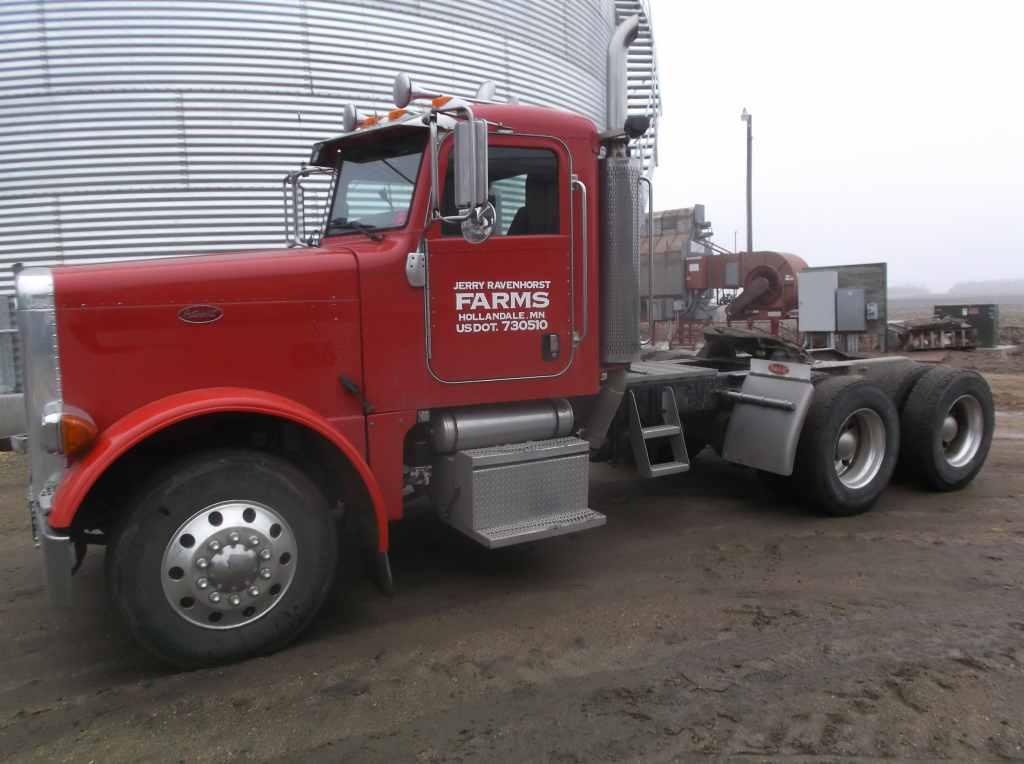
(458, 334)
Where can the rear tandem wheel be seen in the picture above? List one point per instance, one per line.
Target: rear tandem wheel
(947, 428)
(848, 447)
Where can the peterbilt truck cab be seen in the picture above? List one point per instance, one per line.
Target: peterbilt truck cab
(456, 331)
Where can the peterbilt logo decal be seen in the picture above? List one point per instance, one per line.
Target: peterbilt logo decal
(778, 368)
(200, 314)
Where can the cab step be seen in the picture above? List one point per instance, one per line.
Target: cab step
(669, 431)
(548, 526)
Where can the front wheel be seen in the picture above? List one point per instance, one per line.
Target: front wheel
(848, 447)
(224, 556)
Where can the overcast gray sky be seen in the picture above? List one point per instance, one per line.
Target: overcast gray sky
(882, 130)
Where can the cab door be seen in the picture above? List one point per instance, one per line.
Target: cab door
(504, 309)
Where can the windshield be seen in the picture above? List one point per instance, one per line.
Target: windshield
(375, 185)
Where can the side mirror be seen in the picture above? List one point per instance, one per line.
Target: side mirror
(471, 164)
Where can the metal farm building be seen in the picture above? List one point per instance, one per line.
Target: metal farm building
(164, 127)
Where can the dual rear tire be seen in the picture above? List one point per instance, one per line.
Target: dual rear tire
(947, 427)
(848, 448)
(935, 423)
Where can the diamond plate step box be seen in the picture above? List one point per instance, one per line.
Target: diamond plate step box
(504, 495)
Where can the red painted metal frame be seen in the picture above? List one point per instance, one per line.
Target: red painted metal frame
(385, 445)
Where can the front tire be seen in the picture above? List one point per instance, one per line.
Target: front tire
(848, 447)
(947, 428)
(224, 556)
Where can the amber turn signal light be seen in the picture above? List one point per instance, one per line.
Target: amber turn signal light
(77, 432)
(67, 430)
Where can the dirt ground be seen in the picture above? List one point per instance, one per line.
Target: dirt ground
(703, 621)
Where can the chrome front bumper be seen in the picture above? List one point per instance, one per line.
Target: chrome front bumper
(58, 549)
(58, 559)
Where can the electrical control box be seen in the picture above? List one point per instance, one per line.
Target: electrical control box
(850, 315)
(817, 296)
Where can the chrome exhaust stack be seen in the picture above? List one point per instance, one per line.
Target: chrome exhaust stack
(617, 95)
(620, 242)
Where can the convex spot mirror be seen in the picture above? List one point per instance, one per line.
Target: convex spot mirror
(479, 226)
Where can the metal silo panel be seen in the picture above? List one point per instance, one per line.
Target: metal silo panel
(158, 128)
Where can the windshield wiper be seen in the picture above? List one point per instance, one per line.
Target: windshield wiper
(354, 225)
(399, 173)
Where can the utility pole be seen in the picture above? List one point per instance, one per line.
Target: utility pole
(749, 119)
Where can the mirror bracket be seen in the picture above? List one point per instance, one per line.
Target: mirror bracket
(296, 232)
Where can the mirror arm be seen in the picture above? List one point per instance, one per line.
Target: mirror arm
(299, 196)
(435, 199)
(454, 218)
(325, 220)
(287, 214)
(295, 213)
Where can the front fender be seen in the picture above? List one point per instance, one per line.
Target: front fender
(144, 422)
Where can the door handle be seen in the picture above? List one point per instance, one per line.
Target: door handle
(550, 347)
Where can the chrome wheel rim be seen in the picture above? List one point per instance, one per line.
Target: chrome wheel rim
(962, 430)
(229, 564)
(859, 448)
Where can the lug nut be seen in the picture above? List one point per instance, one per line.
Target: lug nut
(214, 545)
(202, 563)
(235, 600)
(254, 591)
(233, 537)
(214, 597)
(264, 554)
(254, 541)
(265, 573)
(202, 583)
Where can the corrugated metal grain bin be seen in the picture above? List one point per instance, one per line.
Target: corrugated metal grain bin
(164, 127)
(984, 318)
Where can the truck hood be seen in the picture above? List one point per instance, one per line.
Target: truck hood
(271, 275)
(285, 321)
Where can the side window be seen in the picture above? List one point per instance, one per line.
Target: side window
(523, 190)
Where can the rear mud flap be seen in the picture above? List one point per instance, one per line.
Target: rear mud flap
(768, 416)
